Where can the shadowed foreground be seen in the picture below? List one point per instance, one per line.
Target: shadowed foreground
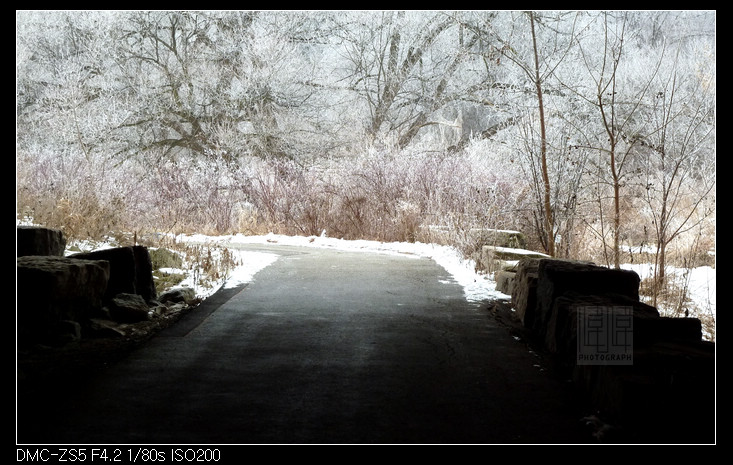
(321, 347)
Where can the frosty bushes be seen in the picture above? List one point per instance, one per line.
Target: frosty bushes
(386, 196)
(71, 193)
(380, 196)
(194, 195)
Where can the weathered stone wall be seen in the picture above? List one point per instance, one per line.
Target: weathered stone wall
(669, 386)
(505, 281)
(54, 290)
(524, 290)
(131, 270)
(497, 258)
(56, 294)
(557, 277)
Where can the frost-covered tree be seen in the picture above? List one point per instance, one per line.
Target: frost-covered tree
(64, 99)
(212, 83)
(533, 46)
(577, 103)
(678, 152)
(628, 73)
(403, 68)
(617, 107)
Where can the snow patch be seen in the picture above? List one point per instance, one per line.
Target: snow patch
(254, 262)
(700, 282)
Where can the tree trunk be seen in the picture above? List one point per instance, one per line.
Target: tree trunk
(616, 206)
(662, 241)
(549, 220)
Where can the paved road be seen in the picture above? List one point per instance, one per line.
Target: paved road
(325, 346)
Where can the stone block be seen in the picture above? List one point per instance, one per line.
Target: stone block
(504, 281)
(524, 292)
(562, 328)
(497, 258)
(144, 282)
(53, 289)
(498, 237)
(666, 396)
(122, 268)
(178, 294)
(556, 277)
(129, 308)
(131, 271)
(34, 240)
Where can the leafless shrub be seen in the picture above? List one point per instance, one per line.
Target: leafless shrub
(64, 192)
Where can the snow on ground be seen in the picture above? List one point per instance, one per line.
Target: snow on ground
(255, 261)
(701, 282)
(252, 263)
(477, 287)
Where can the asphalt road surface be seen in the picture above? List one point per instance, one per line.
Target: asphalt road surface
(324, 347)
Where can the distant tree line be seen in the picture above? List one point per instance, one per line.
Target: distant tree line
(609, 117)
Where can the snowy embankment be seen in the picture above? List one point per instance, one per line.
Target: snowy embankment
(695, 290)
(699, 282)
(477, 287)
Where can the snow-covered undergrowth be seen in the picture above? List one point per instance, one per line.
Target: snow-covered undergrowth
(694, 296)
